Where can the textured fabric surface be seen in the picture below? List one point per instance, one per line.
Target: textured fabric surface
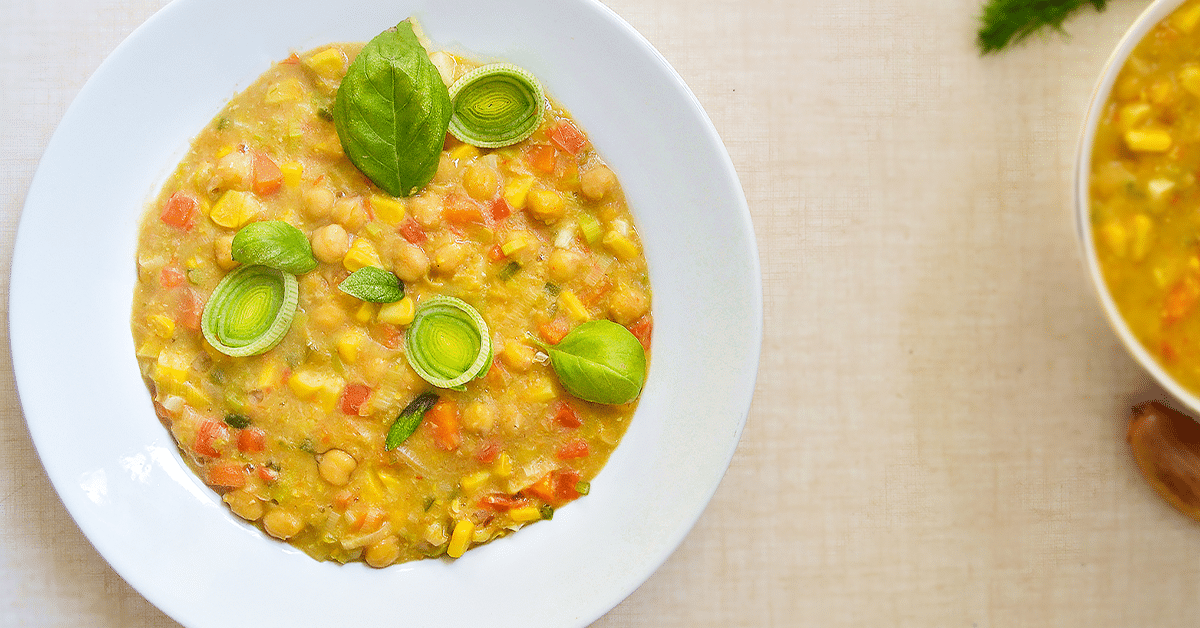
(937, 433)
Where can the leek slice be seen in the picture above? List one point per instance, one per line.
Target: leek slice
(448, 343)
(250, 311)
(496, 105)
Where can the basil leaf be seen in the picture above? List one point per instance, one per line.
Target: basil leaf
(409, 419)
(274, 244)
(391, 112)
(373, 284)
(600, 361)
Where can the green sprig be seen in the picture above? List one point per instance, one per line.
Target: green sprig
(1007, 22)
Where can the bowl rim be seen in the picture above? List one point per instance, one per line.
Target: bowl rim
(1142, 25)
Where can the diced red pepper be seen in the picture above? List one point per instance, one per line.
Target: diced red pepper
(577, 448)
(488, 453)
(191, 307)
(642, 329)
(500, 501)
(353, 397)
(541, 157)
(555, 488)
(442, 418)
(412, 232)
(267, 474)
(252, 440)
(171, 277)
(179, 210)
(458, 209)
(227, 475)
(555, 330)
(500, 210)
(568, 138)
(566, 416)
(267, 176)
(209, 436)
(495, 253)
(389, 335)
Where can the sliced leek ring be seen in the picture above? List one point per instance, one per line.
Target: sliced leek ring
(448, 343)
(250, 310)
(496, 105)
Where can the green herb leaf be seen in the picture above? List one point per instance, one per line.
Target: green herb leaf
(1007, 22)
(275, 244)
(407, 422)
(391, 112)
(237, 421)
(250, 310)
(496, 105)
(600, 361)
(373, 284)
(448, 343)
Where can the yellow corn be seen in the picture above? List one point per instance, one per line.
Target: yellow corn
(348, 345)
(387, 209)
(306, 383)
(224, 150)
(329, 64)
(620, 245)
(1159, 188)
(472, 482)
(540, 390)
(503, 466)
(151, 348)
(517, 190)
(1116, 236)
(269, 375)
(293, 171)
(465, 152)
(362, 253)
(164, 326)
(571, 303)
(370, 489)
(524, 514)
(234, 209)
(1185, 20)
(1143, 230)
(1189, 78)
(172, 365)
(399, 313)
(1143, 141)
(365, 313)
(461, 538)
(391, 484)
(287, 90)
(1134, 114)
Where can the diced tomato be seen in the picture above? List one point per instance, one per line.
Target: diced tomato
(226, 474)
(211, 435)
(458, 209)
(267, 176)
(1180, 300)
(412, 232)
(442, 418)
(389, 336)
(641, 329)
(541, 157)
(567, 137)
(353, 397)
(556, 487)
(543, 489)
(577, 448)
(267, 474)
(252, 440)
(488, 452)
(500, 210)
(496, 375)
(191, 307)
(179, 210)
(292, 60)
(171, 277)
(500, 501)
(555, 330)
(495, 253)
(566, 416)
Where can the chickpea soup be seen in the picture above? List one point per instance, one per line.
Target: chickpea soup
(387, 326)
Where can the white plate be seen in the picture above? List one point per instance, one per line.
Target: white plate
(117, 469)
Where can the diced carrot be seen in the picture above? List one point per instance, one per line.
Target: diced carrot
(543, 489)
(495, 253)
(343, 498)
(564, 484)
(210, 436)
(541, 157)
(267, 474)
(443, 419)
(179, 210)
(555, 330)
(567, 137)
(252, 440)
(500, 501)
(226, 474)
(292, 60)
(566, 416)
(191, 307)
(171, 277)
(1180, 300)
(500, 210)
(488, 452)
(496, 375)
(461, 210)
(267, 176)
(389, 335)
(353, 397)
(642, 329)
(412, 232)
(577, 448)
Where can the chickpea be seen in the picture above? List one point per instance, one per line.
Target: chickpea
(223, 251)
(480, 181)
(564, 264)
(479, 416)
(244, 505)
(328, 316)
(597, 182)
(282, 523)
(448, 257)
(383, 552)
(330, 243)
(446, 169)
(350, 213)
(336, 466)
(628, 304)
(409, 262)
(234, 170)
(545, 205)
(318, 201)
(517, 355)
(426, 209)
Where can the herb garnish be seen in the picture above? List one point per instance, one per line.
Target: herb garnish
(1007, 22)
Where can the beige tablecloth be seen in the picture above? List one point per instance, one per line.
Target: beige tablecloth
(937, 433)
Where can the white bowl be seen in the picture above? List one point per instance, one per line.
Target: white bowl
(117, 469)
(1149, 18)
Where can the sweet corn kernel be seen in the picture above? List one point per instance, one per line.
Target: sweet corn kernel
(221, 152)
(362, 253)
(234, 209)
(464, 152)
(328, 64)
(1134, 114)
(306, 383)
(151, 348)
(365, 313)
(571, 303)
(524, 514)
(164, 326)
(172, 365)
(1143, 230)
(503, 466)
(472, 482)
(540, 390)
(293, 171)
(1189, 78)
(1159, 188)
(348, 345)
(1116, 237)
(270, 373)
(517, 191)
(461, 538)
(387, 209)
(287, 90)
(399, 313)
(620, 245)
(1146, 140)
(1185, 20)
